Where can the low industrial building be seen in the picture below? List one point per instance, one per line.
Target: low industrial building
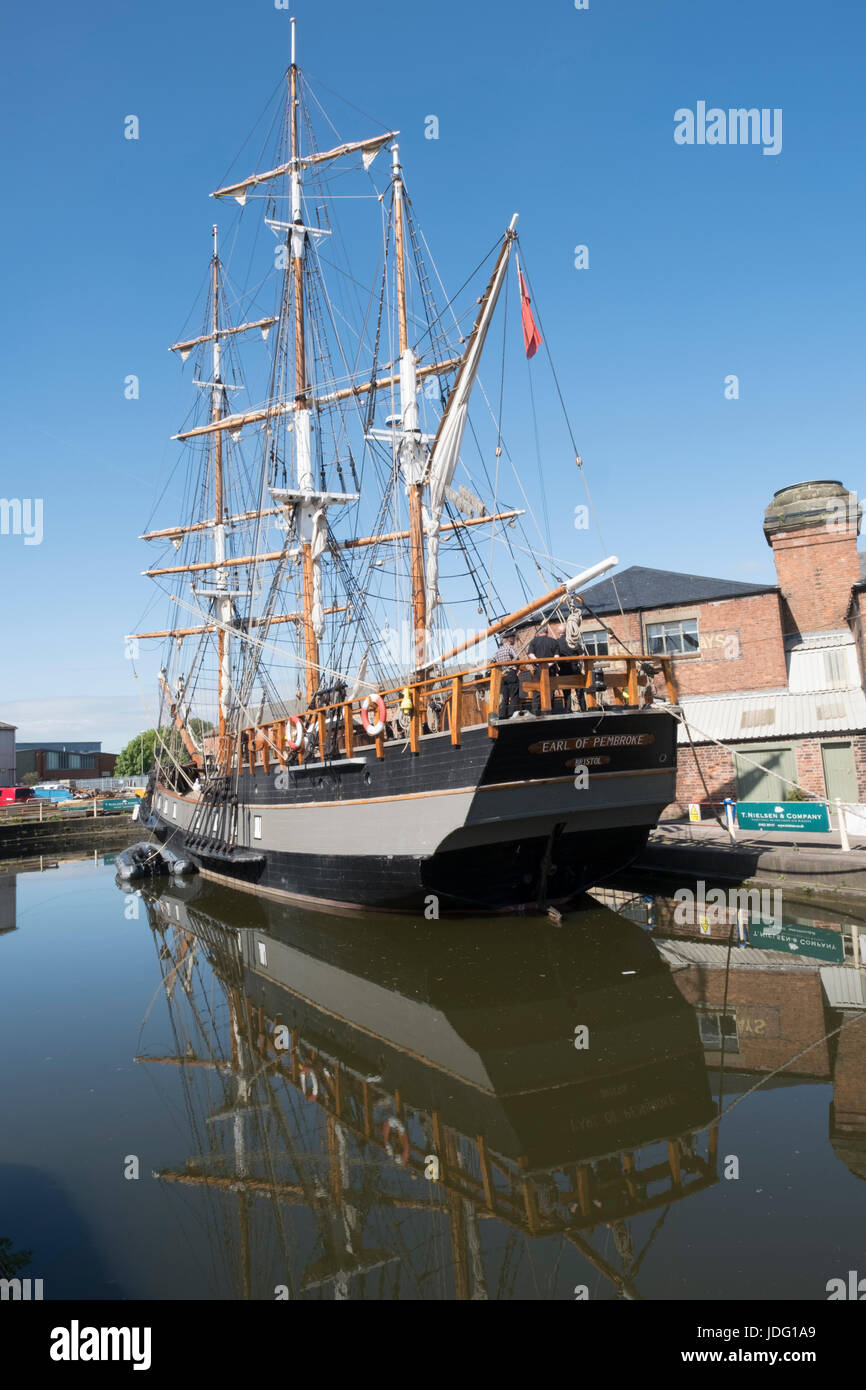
(65, 762)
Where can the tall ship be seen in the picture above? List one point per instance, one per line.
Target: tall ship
(357, 536)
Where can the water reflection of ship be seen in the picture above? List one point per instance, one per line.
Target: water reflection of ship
(342, 1068)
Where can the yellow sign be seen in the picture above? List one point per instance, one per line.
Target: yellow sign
(694, 811)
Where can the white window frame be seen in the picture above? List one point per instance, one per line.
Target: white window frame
(665, 631)
(591, 640)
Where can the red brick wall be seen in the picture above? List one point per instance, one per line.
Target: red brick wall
(718, 768)
(857, 621)
(742, 646)
(849, 1091)
(777, 1013)
(816, 569)
(717, 765)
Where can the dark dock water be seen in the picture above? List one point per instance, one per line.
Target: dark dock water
(209, 1096)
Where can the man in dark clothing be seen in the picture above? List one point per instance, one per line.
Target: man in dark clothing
(572, 667)
(509, 690)
(545, 643)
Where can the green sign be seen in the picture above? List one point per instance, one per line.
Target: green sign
(120, 803)
(783, 815)
(817, 942)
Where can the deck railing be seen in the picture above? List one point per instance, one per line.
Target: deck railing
(445, 703)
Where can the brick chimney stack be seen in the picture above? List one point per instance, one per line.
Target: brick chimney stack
(813, 528)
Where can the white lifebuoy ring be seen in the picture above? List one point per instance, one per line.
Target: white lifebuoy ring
(313, 1092)
(293, 724)
(374, 730)
(398, 1125)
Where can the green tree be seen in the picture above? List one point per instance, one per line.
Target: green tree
(139, 754)
(30, 779)
(12, 1261)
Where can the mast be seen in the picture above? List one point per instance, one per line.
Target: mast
(445, 453)
(411, 452)
(303, 420)
(222, 602)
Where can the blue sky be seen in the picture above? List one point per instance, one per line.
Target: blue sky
(704, 261)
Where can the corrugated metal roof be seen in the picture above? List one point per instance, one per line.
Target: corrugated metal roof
(772, 714)
(843, 987)
(812, 641)
(715, 954)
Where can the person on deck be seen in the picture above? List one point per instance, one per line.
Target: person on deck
(545, 644)
(571, 667)
(509, 690)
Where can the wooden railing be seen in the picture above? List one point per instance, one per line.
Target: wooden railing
(458, 701)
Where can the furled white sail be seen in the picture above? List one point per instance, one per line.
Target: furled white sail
(368, 149)
(449, 438)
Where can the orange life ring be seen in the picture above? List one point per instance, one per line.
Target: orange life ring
(293, 723)
(399, 1126)
(374, 730)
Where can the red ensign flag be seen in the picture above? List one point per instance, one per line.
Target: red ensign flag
(532, 339)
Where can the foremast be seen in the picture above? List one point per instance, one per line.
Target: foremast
(223, 603)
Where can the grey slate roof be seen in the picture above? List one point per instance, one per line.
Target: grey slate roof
(641, 588)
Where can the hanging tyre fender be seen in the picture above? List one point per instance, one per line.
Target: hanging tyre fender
(374, 729)
(398, 1127)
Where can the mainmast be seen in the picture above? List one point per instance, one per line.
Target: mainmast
(411, 451)
(308, 506)
(222, 602)
(303, 414)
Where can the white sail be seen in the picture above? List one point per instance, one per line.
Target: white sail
(449, 438)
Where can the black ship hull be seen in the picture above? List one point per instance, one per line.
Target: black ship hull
(500, 823)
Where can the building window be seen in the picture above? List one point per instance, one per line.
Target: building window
(714, 1026)
(679, 638)
(257, 827)
(595, 643)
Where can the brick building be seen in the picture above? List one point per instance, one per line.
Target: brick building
(775, 673)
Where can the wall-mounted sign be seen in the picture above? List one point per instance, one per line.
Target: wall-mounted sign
(819, 943)
(720, 646)
(811, 816)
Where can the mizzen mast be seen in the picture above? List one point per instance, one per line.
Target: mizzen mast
(307, 505)
(411, 453)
